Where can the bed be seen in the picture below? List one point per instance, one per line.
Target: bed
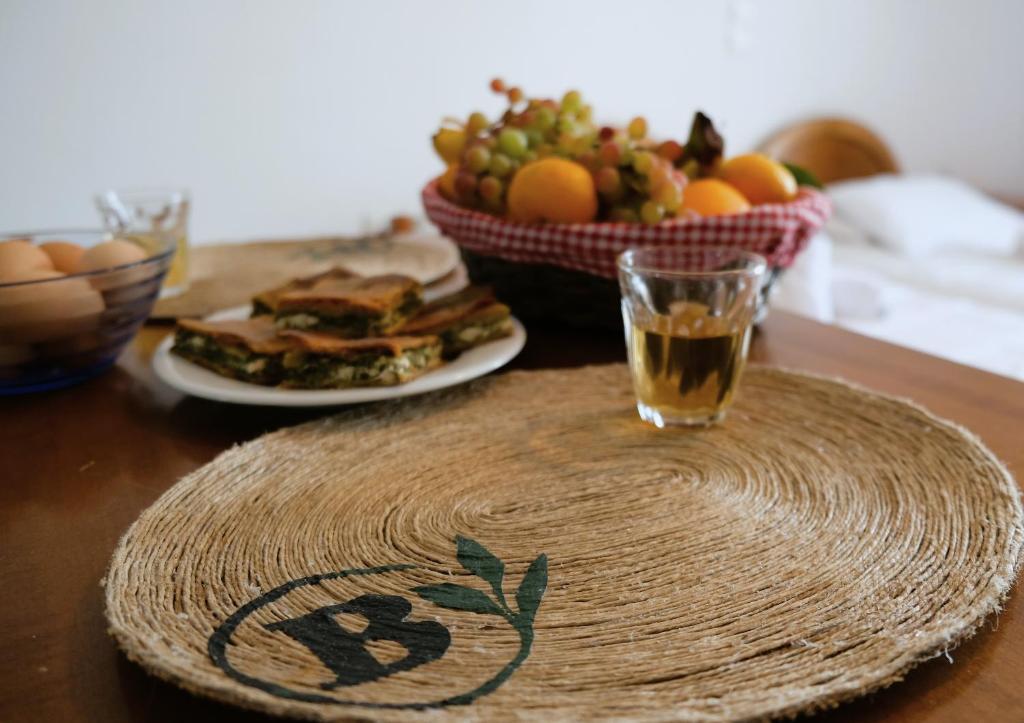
(919, 260)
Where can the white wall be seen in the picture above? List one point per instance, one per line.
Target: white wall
(303, 116)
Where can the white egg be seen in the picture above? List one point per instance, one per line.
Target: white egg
(19, 255)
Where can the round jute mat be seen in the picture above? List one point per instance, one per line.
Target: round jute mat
(525, 548)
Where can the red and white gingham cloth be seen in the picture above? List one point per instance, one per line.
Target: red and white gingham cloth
(777, 231)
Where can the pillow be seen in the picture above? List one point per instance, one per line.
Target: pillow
(916, 215)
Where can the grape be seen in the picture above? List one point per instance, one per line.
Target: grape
(500, 166)
(534, 137)
(651, 212)
(477, 122)
(477, 159)
(611, 153)
(490, 188)
(529, 156)
(465, 185)
(670, 151)
(513, 142)
(669, 195)
(515, 95)
(571, 101)
(585, 114)
(638, 128)
(589, 160)
(643, 162)
(606, 133)
(545, 119)
(624, 214)
(544, 150)
(498, 85)
(608, 181)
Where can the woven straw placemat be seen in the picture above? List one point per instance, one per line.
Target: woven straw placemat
(525, 548)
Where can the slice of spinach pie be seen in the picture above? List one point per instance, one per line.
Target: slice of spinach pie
(248, 349)
(265, 302)
(351, 308)
(323, 361)
(463, 320)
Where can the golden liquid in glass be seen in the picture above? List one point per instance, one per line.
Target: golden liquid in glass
(686, 379)
(176, 280)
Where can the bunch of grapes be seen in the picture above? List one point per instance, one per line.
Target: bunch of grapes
(636, 178)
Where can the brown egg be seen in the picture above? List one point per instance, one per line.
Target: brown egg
(106, 255)
(20, 255)
(60, 308)
(64, 255)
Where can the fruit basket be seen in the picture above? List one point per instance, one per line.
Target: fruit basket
(542, 200)
(567, 273)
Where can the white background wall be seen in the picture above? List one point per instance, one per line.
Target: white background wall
(303, 116)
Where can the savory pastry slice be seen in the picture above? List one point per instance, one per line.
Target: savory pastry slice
(324, 361)
(248, 350)
(351, 308)
(463, 320)
(265, 302)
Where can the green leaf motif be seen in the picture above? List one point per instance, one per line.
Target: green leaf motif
(480, 561)
(531, 589)
(457, 597)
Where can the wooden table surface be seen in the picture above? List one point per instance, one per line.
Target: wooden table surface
(78, 465)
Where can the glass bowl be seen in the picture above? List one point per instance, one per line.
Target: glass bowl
(59, 331)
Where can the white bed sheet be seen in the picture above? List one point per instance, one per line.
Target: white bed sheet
(966, 308)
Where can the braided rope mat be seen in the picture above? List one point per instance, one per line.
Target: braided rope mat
(525, 548)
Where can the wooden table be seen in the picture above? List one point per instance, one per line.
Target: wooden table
(78, 465)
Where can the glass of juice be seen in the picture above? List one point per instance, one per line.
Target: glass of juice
(152, 218)
(687, 314)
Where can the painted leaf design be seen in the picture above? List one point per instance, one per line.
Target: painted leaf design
(532, 588)
(457, 597)
(481, 562)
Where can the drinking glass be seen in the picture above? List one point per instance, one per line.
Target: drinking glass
(687, 314)
(152, 218)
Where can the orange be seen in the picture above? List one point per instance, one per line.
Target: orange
(759, 178)
(711, 197)
(552, 189)
(446, 182)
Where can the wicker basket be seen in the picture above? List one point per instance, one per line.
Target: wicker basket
(567, 273)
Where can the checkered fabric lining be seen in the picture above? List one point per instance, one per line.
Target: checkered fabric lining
(777, 231)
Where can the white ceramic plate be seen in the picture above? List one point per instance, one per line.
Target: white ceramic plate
(192, 379)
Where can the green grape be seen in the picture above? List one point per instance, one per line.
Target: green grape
(669, 195)
(534, 137)
(478, 159)
(608, 181)
(545, 119)
(638, 128)
(566, 142)
(643, 162)
(651, 212)
(529, 156)
(571, 101)
(500, 166)
(585, 114)
(624, 214)
(477, 123)
(566, 124)
(513, 142)
(490, 188)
